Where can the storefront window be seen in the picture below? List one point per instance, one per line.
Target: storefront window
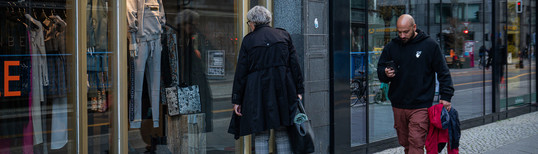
(99, 72)
(358, 78)
(37, 95)
(472, 13)
(486, 61)
(466, 56)
(456, 27)
(531, 39)
(180, 48)
(518, 77)
(382, 28)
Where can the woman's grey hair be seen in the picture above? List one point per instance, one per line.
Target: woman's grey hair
(259, 15)
(187, 17)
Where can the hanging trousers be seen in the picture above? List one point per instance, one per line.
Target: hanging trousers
(59, 123)
(148, 58)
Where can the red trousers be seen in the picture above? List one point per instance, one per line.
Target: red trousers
(411, 127)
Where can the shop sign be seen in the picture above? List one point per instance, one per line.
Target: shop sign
(216, 63)
(468, 48)
(381, 30)
(9, 78)
(510, 28)
(378, 49)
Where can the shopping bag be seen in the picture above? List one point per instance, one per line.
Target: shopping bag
(189, 100)
(301, 132)
(172, 101)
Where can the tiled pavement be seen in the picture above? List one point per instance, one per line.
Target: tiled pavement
(518, 135)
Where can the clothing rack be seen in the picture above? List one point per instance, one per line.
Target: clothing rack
(35, 5)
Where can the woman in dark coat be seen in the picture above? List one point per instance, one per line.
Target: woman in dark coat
(268, 81)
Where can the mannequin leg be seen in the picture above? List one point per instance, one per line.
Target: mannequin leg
(154, 66)
(140, 65)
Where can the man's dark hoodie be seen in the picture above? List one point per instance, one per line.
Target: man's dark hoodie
(416, 62)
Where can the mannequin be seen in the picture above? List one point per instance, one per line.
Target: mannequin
(146, 18)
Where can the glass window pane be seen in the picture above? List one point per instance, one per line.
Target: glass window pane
(382, 28)
(472, 13)
(518, 77)
(99, 66)
(196, 48)
(358, 4)
(357, 16)
(37, 96)
(466, 57)
(488, 79)
(502, 66)
(358, 84)
(532, 51)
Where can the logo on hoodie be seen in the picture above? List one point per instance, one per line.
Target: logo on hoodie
(418, 53)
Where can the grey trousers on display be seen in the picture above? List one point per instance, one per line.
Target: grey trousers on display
(148, 58)
(59, 123)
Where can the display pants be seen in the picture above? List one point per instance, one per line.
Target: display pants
(59, 123)
(37, 96)
(412, 128)
(283, 146)
(148, 58)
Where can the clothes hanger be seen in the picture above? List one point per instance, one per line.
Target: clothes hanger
(53, 9)
(13, 7)
(20, 13)
(33, 11)
(10, 12)
(43, 14)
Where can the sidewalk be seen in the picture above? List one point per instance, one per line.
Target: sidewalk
(518, 135)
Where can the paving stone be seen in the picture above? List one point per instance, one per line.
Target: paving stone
(497, 137)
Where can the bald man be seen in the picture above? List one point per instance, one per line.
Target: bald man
(409, 64)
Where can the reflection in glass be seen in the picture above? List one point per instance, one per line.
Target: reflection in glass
(37, 96)
(466, 55)
(531, 39)
(358, 84)
(199, 43)
(502, 60)
(486, 60)
(517, 76)
(98, 60)
(382, 19)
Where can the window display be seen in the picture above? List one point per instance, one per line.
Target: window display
(178, 73)
(34, 105)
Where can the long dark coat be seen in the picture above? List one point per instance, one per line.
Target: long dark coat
(267, 80)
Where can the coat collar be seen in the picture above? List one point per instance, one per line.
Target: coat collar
(257, 27)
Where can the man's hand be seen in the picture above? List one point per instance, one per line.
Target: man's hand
(237, 110)
(389, 72)
(300, 96)
(446, 104)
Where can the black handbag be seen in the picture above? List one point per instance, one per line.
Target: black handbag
(301, 132)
